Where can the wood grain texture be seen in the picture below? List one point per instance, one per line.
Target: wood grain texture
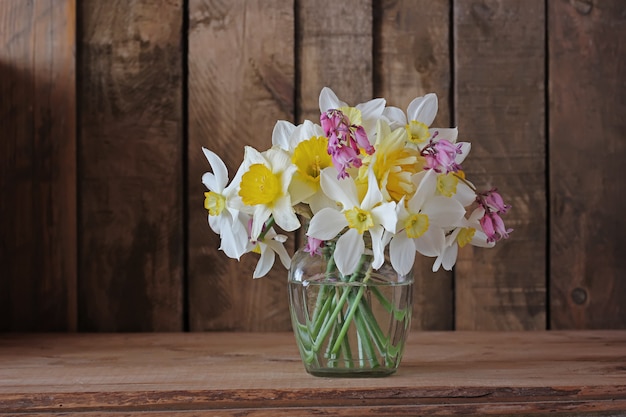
(37, 166)
(412, 57)
(335, 50)
(443, 373)
(500, 108)
(587, 154)
(130, 163)
(241, 81)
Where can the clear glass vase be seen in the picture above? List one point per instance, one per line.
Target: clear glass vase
(348, 326)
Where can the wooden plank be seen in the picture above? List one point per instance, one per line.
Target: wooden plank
(241, 81)
(37, 166)
(335, 42)
(130, 165)
(443, 373)
(587, 154)
(499, 55)
(412, 58)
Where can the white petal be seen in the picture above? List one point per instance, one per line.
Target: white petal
(443, 211)
(386, 215)
(431, 242)
(402, 253)
(370, 113)
(342, 191)
(378, 249)
(395, 117)
(300, 190)
(423, 109)
(350, 247)
(233, 242)
(425, 189)
(328, 100)
(327, 224)
(266, 261)
(215, 222)
(465, 150)
(219, 170)
(284, 214)
(480, 239)
(319, 201)
(278, 159)
(449, 134)
(209, 181)
(373, 195)
(261, 214)
(281, 133)
(279, 248)
(449, 257)
(252, 156)
(464, 194)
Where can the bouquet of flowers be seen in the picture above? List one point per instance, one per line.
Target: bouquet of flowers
(370, 168)
(367, 179)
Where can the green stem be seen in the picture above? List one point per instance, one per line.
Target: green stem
(339, 307)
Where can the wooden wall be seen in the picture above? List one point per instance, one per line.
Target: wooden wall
(104, 107)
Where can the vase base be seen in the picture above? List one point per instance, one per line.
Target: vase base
(351, 373)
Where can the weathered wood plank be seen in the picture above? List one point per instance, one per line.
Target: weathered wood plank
(241, 81)
(499, 105)
(335, 43)
(412, 58)
(37, 166)
(130, 165)
(443, 373)
(587, 154)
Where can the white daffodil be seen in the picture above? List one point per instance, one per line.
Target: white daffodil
(467, 231)
(263, 189)
(308, 148)
(420, 114)
(421, 224)
(371, 215)
(224, 218)
(363, 114)
(268, 246)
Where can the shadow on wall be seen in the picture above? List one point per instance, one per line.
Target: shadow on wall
(38, 201)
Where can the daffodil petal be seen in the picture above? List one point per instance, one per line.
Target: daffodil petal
(425, 189)
(377, 247)
(385, 214)
(326, 224)
(402, 253)
(465, 150)
(281, 133)
(371, 112)
(328, 100)
(423, 109)
(449, 134)
(261, 214)
(449, 257)
(395, 117)
(350, 247)
(279, 248)
(342, 191)
(443, 211)
(373, 195)
(284, 214)
(431, 242)
(219, 169)
(265, 263)
(464, 194)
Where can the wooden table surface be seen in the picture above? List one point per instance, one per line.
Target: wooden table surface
(260, 374)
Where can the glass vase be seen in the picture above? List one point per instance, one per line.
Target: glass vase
(348, 326)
